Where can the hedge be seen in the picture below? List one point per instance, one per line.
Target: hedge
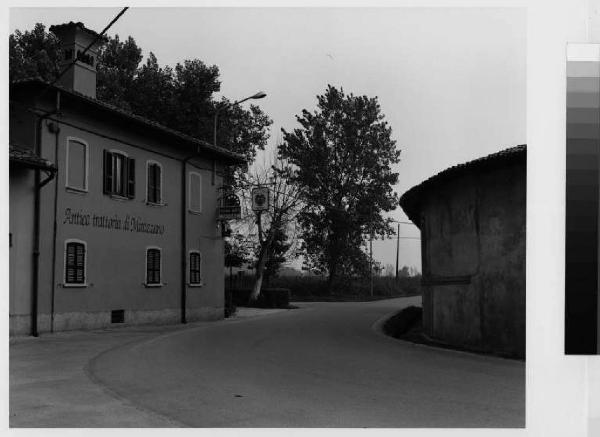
(268, 298)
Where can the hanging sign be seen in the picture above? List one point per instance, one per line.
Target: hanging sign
(230, 208)
(260, 199)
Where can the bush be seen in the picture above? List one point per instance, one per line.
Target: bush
(268, 298)
(400, 323)
(316, 287)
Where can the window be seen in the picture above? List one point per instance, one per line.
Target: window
(75, 252)
(195, 192)
(195, 268)
(76, 164)
(119, 174)
(153, 182)
(153, 266)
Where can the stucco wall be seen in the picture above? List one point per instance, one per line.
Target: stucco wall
(473, 233)
(21, 197)
(116, 257)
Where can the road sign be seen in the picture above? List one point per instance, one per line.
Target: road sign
(260, 199)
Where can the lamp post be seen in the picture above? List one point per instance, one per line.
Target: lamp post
(258, 95)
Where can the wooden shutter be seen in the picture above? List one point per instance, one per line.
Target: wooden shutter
(108, 172)
(151, 183)
(149, 265)
(157, 183)
(75, 263)
(153, 266)
(154, 194)
(70, 264)
(79, 263)
(130, 178)
(195, 268)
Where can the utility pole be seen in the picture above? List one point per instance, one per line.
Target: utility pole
(371, 252)
(371, 261)
(397, 249)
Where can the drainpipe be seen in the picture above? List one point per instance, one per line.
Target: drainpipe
(184, 236)
(56, 131)
(36, 219)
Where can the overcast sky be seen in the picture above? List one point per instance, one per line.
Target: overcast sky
(450, 81)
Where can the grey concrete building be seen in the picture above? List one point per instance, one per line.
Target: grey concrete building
(113, 218)
(472, 222)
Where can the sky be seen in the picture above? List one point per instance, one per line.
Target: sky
(451, 82)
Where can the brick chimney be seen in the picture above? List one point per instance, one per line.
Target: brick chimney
(74, 38)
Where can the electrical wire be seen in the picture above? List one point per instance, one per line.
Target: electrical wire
(76, 57)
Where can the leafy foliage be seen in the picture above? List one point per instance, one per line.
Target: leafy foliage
(34, 54)
(181, 98)
(276, 234)
(342, 156)
(280, 248)
(237, 252)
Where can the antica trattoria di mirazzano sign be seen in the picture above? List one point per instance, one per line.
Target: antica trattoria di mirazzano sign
(115, 222)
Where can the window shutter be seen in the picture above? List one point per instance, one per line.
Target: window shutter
(193, 268)
(151, 183)
(79, 263)
(154, 175)
(130, 178)
(70, 264)
(153, 266)
(157, 183)
(149, 256)
(75, 263)
(108, 172)
(157, 266)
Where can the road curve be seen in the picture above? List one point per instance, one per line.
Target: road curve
(322, 365)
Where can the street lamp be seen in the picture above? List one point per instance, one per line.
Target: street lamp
(258, 95)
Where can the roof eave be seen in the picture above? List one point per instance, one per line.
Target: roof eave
(410, 201)
(226, 156)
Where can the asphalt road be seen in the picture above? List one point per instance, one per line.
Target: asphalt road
(322, 365)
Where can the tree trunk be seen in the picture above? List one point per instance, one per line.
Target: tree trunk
(263, 257)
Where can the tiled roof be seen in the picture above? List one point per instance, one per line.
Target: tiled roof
(410, 201)
(229, 156)
(28, 158)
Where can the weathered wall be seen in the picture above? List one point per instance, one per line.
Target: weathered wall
(21, 199)
(473, 233)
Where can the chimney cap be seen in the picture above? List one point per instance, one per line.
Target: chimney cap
(59, 28)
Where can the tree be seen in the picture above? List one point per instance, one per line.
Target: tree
(389, 270)
(404, 272)
(342, 157)
(117, 69)
(237, 251)
(280, 248)
(275, 226)
(33, 54)
(181, 98)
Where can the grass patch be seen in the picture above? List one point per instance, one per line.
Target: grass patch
(402, 323)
